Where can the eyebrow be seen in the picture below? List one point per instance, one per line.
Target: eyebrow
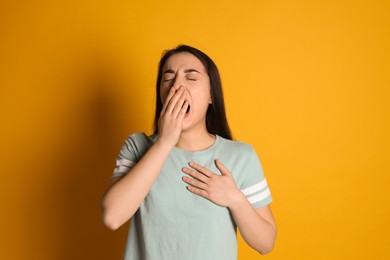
(191, 70)
(168, 71)
(185, 71)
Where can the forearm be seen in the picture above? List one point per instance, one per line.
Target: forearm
(122, 199)
(259, 233)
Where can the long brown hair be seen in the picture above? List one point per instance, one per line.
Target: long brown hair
(216, 121)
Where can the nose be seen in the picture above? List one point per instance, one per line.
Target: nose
(177, 83)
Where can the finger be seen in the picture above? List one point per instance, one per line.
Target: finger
(184, 108)
(173, 100)
(179, 105)
(197, 175)
(201, 169)
(183, 111)
(198, 191)
(195, 183)
(222, 168)
(171, 92)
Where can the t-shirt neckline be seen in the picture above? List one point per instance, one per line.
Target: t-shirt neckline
(208, 149)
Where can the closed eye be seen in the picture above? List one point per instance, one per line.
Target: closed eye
(191, 79)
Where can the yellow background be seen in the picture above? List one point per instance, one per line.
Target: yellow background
(306, 83)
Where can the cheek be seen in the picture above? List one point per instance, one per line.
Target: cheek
(207, 94)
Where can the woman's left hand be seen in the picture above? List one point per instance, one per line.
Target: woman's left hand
(219, 189)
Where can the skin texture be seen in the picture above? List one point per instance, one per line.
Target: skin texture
(186, 84)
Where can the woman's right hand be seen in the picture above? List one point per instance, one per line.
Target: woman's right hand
(172, 116)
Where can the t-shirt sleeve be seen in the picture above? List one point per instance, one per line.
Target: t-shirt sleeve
(254, 185)
(127, 157)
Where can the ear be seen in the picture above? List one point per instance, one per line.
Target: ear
(210, 100)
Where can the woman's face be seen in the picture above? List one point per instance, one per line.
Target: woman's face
(184, 70)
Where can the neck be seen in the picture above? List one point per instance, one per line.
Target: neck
(195, 140)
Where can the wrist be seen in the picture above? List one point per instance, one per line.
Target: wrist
(238, 200)
(162, 144)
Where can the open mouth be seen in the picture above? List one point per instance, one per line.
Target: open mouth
(188, 109)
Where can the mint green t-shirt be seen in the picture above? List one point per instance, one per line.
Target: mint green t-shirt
(174, 224)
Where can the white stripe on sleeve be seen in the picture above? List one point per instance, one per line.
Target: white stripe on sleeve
(259, 196)
(255, 188)
(123, 166)
(124, 162)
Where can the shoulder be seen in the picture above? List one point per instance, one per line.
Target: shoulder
(136, 145)
(237, 146)
(141, 138)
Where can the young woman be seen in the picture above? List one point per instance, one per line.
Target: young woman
(187, 187)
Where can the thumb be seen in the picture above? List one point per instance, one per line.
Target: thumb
(222, 168)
